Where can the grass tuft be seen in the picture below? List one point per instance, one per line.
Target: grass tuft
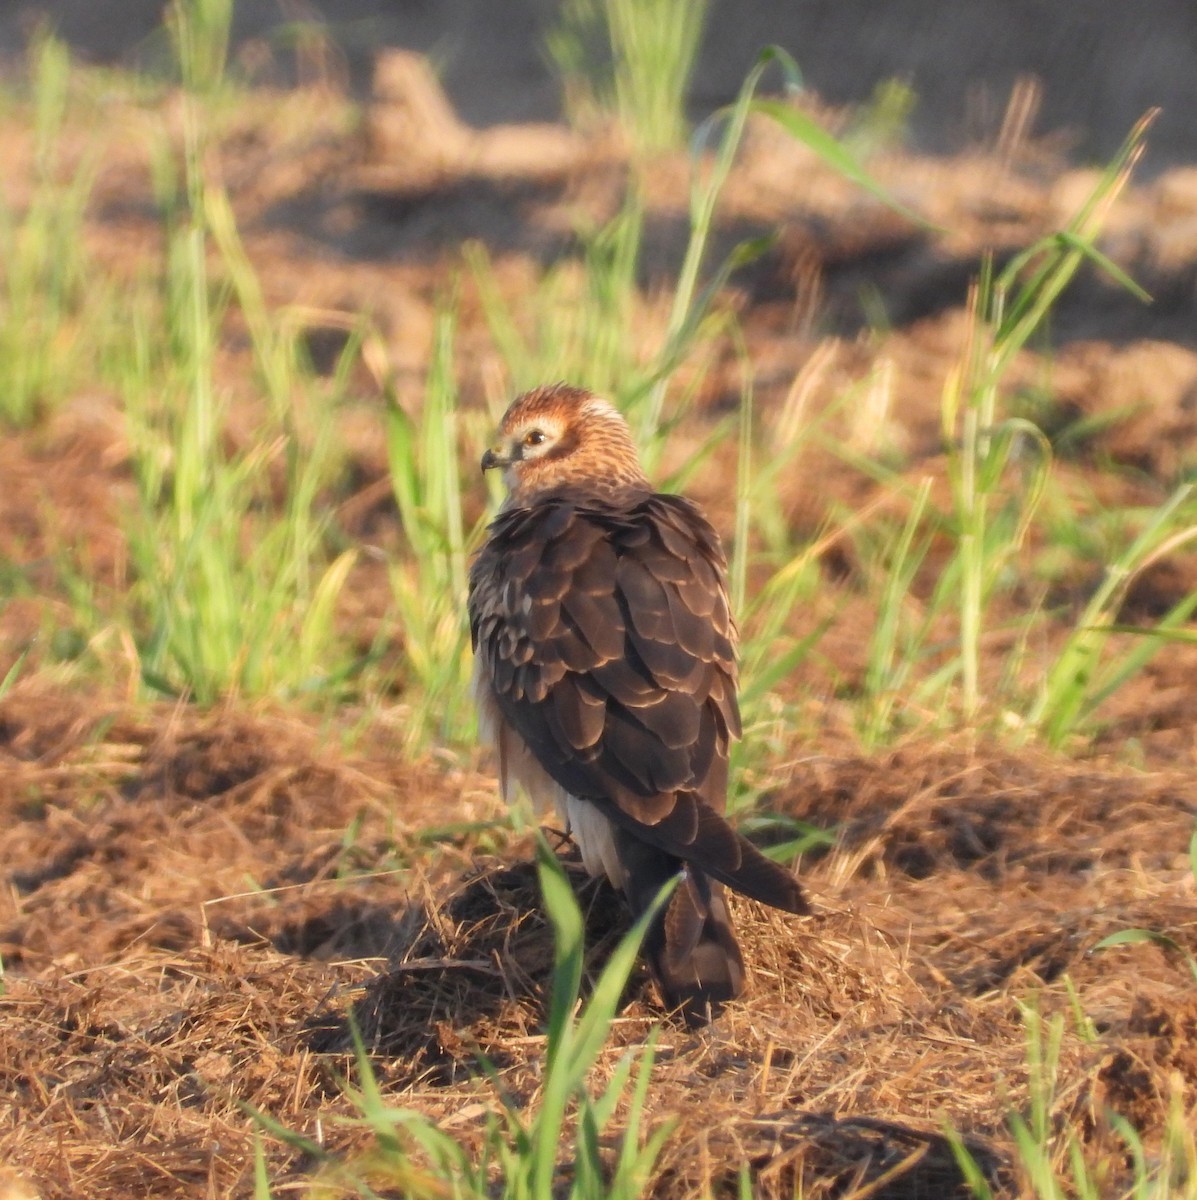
(46, 288)
(630, 60)
(236, 590)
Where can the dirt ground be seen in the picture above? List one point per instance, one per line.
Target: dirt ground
(195, 902)
(187, 927)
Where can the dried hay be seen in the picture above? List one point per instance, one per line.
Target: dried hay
(186, 929)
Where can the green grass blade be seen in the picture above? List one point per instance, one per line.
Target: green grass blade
(261, 1179)
(805, 129)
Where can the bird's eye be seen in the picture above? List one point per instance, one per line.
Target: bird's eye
(533, 438)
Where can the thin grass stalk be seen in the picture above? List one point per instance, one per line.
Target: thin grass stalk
(971, 502)
(704, 198)
(886, 672)
(738, 573)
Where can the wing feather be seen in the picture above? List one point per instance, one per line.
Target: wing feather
(598, 620)
(626, 679)
(582, 717)
(609, 646)
(543, 616)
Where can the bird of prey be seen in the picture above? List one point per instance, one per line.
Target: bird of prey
(605, 676)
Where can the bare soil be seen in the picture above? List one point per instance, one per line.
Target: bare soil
(194, 903)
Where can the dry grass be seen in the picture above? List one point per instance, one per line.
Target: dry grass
(186, 930)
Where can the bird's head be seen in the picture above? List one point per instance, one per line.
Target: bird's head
(563, 439)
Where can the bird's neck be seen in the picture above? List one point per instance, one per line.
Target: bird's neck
(611, 492)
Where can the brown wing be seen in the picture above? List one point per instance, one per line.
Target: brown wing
(610, 648)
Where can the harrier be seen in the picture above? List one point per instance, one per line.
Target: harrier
(605, 676)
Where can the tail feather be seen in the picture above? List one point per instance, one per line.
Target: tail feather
(691, 830)
(691, 947)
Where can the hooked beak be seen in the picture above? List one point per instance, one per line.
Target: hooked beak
(491, 460)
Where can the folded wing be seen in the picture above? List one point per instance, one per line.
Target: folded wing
(609, 645)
